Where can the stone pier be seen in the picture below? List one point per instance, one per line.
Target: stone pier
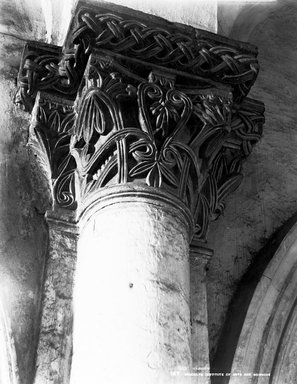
(140, 127)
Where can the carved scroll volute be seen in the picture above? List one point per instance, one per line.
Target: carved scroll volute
(164, 112)
(129, 102)
(152, 131)
(215, 112)
(129, 128)
(97, 143)
(50, 135)
(243, 131)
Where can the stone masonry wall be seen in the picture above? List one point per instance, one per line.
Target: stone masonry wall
(23, 238)
(267, 197)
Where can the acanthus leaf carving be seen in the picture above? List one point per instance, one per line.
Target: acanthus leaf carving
(53, 127)
(146, 104)
(49, 68)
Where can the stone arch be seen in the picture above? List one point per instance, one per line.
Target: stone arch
(267, 342)
(8, 366)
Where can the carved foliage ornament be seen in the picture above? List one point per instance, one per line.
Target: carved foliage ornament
(169, 47)
(52, 127)
(163, 121)
(49, 68)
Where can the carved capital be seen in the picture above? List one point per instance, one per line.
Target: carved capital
(128, 100)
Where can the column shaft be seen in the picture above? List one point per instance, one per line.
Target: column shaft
(55, 339)
(199, 257)
(131, 301)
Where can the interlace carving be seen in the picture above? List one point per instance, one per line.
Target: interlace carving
(151, 105)
(143, 144)
(47, 67)
(195, 54)
(52, 127)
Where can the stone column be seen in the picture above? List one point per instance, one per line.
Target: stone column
(55, 338)
(199, 258)
(131, 301)
(141, 127)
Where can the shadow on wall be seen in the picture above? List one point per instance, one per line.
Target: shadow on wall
(267, 197)
(241, 300)
(238, 20)
(23, 236)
